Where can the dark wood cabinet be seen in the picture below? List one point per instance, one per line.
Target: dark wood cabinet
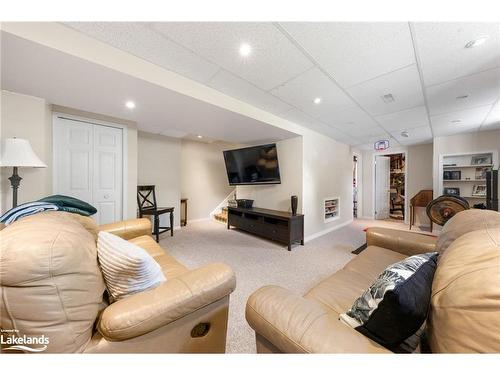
(275, 225)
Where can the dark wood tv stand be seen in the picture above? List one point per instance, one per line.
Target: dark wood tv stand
(280, 226)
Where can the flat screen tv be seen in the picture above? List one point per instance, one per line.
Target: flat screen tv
(257, 165)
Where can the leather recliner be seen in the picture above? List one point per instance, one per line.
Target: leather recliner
(464, 313)
(52, 287)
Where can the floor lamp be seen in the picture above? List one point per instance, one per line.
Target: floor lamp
(17, 153)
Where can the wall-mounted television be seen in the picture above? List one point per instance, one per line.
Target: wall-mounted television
(257, 165)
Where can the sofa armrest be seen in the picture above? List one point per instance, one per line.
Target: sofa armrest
(295, 324)
(146, 311)
(128, 229)
(407, 243)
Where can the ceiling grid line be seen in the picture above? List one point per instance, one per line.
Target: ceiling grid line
(307, 54)
(421, 76)
(497, 102)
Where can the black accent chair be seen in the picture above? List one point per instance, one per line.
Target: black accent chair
(146, 200)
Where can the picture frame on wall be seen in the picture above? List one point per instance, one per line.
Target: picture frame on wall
(481, 173)
(479, 190)
(451, 191)
(481, 159)
(452, 175)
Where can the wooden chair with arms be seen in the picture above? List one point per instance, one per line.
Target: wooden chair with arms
(421, 199)
(146, 200)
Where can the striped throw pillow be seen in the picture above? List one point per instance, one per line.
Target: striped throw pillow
(127, 268)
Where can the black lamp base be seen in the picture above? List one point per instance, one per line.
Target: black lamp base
(15, 181)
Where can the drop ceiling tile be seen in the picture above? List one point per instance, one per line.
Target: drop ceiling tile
(404, 85)
(415, 135)
(481, 89)
(303, 89)
(138, 39)
(297, 116)
(354, 52)
(492, 122)
(407, 119)
(355, 130)
(347, 117)
(240, 89)
(470, 120)
(339, 136)
(272, 61)
(303, 119)
(372, 139)
(443, 56)
(364, 146)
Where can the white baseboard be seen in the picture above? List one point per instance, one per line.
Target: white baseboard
(325, 231)
(198, 220)
(367, 217)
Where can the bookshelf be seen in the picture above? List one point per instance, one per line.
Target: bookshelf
(465, 174)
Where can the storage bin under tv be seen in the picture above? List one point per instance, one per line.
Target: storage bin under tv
(280, 226)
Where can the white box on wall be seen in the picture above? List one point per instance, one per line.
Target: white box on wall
(331, 209)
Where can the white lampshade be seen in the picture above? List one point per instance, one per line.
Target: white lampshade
(17, 152)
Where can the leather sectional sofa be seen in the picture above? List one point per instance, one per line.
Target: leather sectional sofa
(464, 314)
(51, 285)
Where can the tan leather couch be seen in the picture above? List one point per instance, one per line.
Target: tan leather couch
(51, 285)
(465, 304)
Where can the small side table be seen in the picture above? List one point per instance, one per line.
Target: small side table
(184, 220)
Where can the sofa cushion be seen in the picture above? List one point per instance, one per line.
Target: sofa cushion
(395, 306)
(169, 265)
(340, 290)
(465, 304)
(127, 268)
(50, 282)
(465, 222)
(373, 261)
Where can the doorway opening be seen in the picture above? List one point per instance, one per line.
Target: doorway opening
(355, 186)
(390, 186)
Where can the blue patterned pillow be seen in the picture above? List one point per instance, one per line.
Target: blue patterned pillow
(396, 305)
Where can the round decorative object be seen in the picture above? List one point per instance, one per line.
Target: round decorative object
(443, 208)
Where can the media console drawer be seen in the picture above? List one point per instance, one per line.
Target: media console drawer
(275, 225)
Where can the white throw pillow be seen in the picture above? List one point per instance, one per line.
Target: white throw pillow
(127, 268)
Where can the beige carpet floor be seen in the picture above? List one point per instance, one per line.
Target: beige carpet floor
(257, 262)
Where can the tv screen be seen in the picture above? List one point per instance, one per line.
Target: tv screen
(253, 165)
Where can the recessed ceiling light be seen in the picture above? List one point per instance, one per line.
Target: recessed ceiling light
(317, 100)
(477, 42)
(462, 96)
(130, 104)
(388, 98)
(456, 121)
(199, 136)
(245, 49)
(405, 134)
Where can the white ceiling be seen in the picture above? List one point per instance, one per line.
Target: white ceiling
(351, 66)
(32, 69)
(425, 66)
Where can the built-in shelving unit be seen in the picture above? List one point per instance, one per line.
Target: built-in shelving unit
(331, 209)
(465, 174)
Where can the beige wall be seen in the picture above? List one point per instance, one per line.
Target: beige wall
(31, 118)
(203, 177)
(419, 176)
(463, 143)
(419, 169)
(27, 117)
(277, 197)
(327, 173)
(159, 164)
